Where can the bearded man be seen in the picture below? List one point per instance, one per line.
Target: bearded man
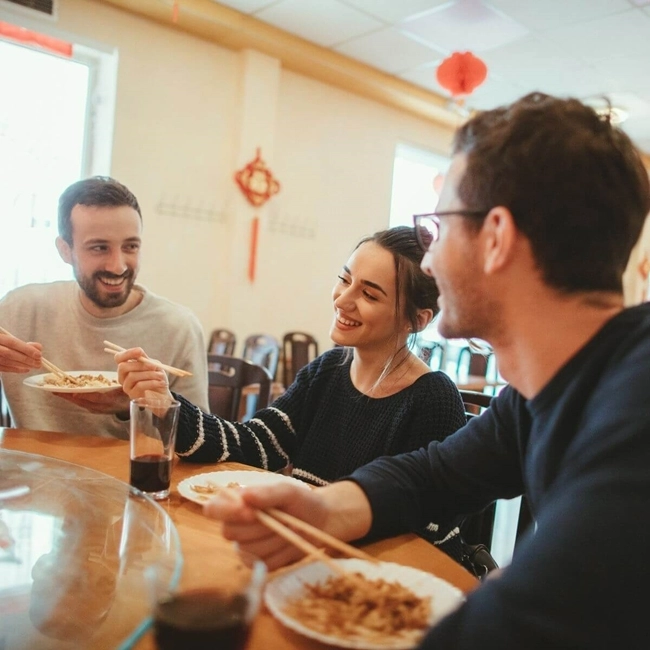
(100, 236)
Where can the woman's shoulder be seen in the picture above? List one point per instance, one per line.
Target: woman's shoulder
(434, 380)
(327, 363)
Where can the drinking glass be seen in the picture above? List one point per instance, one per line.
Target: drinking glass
(153, 436)
(214, 604)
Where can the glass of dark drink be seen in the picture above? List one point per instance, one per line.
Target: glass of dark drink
(153, 436)
(212, 607)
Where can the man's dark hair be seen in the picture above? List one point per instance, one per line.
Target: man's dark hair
(94, 191)
(575, 184)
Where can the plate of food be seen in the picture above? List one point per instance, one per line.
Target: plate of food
(372, 606)
(90, 381)
(202, 487)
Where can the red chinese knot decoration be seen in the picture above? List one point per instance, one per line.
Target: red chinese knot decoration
(258, 185)
(256, 181)
(461, 73)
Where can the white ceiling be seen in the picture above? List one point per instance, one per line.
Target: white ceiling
(581, 48)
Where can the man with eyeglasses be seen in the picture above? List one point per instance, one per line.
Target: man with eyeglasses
(541, 208)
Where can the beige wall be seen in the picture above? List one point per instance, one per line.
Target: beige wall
(177, 139)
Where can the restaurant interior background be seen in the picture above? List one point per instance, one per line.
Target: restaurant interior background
(181, 95)
(172, 97)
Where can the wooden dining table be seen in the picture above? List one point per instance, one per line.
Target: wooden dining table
(200, 535)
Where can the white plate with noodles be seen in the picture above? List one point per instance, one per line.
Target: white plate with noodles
(390, 606)
(93, 381)
(202, 487)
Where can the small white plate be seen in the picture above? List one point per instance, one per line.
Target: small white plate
(37, 381)
(244, 478)
(289, 585)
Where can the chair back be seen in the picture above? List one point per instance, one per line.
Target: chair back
(474, 363)
(5, 418)
(432, 353)
(474, 402)
(222, 341)
(479, 527)
(298, 349)
(227, 377)
(263, 350)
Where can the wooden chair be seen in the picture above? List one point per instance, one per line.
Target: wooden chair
(298, 349)
(263, 350)
(222, 341)
(227, 378)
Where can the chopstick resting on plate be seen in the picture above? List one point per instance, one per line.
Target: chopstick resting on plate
(279, 522)
(50, 366)
(113, 348)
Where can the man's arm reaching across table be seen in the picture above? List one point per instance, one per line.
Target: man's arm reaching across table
(340, 509)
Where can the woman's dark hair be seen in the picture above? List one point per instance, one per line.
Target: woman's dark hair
(419, 291)
(95, 191)
(575, 185)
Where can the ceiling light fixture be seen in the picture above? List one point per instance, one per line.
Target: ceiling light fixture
(616, 115)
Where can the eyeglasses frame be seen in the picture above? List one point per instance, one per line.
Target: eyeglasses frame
(435, 218)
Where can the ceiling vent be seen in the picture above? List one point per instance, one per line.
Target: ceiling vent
(33, 8)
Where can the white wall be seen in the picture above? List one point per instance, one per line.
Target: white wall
(177, 139)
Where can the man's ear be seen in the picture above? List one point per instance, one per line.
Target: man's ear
(64, 250)
(500, 234)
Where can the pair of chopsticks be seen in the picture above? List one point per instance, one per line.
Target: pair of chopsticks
(279, 522)
(112, 348)
(49, 365)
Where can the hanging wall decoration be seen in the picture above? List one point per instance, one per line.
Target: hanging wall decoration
(257, 183)
(461, 73)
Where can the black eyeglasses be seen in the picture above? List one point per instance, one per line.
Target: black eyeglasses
(427, 226)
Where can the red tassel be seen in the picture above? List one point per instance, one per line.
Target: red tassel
(252, 254)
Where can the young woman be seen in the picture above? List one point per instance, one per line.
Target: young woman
(367, 398)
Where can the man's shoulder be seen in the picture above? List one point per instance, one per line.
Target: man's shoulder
(40, 291)
(154, 302)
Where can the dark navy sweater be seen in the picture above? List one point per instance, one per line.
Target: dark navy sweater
(580, 451)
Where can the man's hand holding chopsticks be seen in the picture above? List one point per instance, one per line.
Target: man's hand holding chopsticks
(340, 510)
(17, 355)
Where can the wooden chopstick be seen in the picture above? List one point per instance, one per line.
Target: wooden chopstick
(320, 535)
(293, 538)
(279, 522)
(113, 348)
(49, 365)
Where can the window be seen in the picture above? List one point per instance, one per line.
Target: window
(49, 138)
(417, 174)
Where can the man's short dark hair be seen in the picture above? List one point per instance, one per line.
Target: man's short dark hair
(94, 191)
(575, 184)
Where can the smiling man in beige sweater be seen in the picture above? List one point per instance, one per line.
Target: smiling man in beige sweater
(100, 236)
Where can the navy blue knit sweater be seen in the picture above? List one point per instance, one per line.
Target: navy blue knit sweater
(580, 450)
(324, 426)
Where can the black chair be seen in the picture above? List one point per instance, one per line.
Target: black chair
(227, 378)
(477, 364)
(298, 349)
(432, 353)
(479, 527)
(263, 350)
(5, 418)
(222, 341)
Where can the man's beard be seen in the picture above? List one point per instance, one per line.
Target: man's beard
(91, 287)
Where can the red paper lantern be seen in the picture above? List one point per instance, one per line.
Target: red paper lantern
(461, 72)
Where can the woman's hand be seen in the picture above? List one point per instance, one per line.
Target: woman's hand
(139, 378)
